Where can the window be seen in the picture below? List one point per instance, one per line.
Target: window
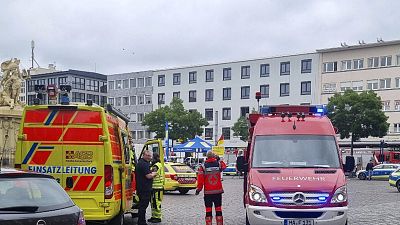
(284, 89)
(50, 81)
(227, 73)
(125, 84)
(306, 88)
(208, 133)
(125, 101)
(384, 83)
(148, 99)
(357, 85)
(192, 96)
(140, 82)
(373, 62)
(118, 101)
(209, 95)
(111, 101)
(264, 70)
(161, 98)
(306, 66)
(226, 94)
(226, 131)
(244, 111)
(345, 86)
(118, 84)
(346, 65)
(192, 77)
(140, 117)
(132, 82)
(386, 60)
(140, 134)
(285, 68)
(140, 99)
(103, 100)
(330, 67)
(358, 63)
(94, 98)
(385, 105)
(31, 85)
(63, 80)
(397, 80)
(92, 85)
(245, 92)
(396, 127)
(103, 87)
(149, 135)
(209, 75)
(22, 98)
(397, 105)
(226, 113)
(208, 114)
(132, 117)
(78, 83)
(264, 89)
(133, 100)
(176, 79)
(245, 72)
(79, 97)
(398, 60)
(30, 99)
(176, 94)
(372, 84)
(161, 80)
(148, 81)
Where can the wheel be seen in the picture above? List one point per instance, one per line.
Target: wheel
(398, 185)
(362, 176)
(183, 191)
(117, 220)
(247, 220)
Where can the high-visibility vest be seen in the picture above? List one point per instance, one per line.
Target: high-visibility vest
(158, 180)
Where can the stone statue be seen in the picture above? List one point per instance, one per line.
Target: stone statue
(10, 85)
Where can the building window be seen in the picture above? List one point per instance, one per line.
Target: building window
(357, 85)
(244, 111)
(396, 127)
(397, 105)
(31, 85)
(125, 84)
(132, 82)
(264, 89)
(209, 75)
(94, 98)
(78, 83)
(118, 84)
(346, 65)
(358, 63)
(133, 133)
(161, 98)
(92, 85)
(140, 82)
(208, 114)
(161, 80)
(140, 99)
(140, 134)
(245, 72)
(285, 68)
(140, 117)
(118, 101)
(306, 88)
(176, 94)
(125, 101)
(330, 67)
(398, 60)
(62, 80)
(209, 95)
(22, 98)
(50, 81)
(373, 62)
(397, 80)
(385, 105)
(132, 117)
(176, 79)
(192, 77)
(306, 65)
(284, 89)
(264, 70)
(226, 131)
(345, 86)
(208, 133)
(148, 99)
(133, 100)
(192, 96)
(226, 113)
(372, 84)
(386, 60)
(227, 73)
(384, 83)
(111, 101)
(148, 82)
(78, 97)
(103, 87)
(31, 99)
(226, 94)
(103, 100)
(245, 92)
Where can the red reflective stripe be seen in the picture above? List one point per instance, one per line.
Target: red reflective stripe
(74, 143)
(95, 183)
(117, 187)
(87, 117)
(36, 116)
(40, 157)
(208, 209)
(43, 133)
(73, 182)
(63, 117)
(83, 134)
(219, 208)
(83, 183)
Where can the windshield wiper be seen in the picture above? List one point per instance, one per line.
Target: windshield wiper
(21, 208)
(316, 166)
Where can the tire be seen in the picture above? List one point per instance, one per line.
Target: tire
(398, 185)
(183, 191)
(117, 220)
(247, 220)
(362, 176)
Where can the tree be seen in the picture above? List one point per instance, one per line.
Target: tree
(241, 129)
(183, 124)
(358, 115)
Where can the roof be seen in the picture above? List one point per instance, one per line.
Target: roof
(9, 172)
(72, 73)
(361, 46)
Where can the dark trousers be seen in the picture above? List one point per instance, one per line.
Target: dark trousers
(211, 199)
(144, 200)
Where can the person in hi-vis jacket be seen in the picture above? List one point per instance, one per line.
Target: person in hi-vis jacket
(158, 190)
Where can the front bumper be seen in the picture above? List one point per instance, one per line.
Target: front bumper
(259, 215)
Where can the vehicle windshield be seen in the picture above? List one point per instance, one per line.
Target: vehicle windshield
(32, 195)
(182, 168)
(295, 151)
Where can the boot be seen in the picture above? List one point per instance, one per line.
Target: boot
(220, 220)
(208, 220)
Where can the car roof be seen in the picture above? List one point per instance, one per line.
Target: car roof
(9, 172)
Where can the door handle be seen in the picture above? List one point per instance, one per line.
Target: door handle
(69, 182)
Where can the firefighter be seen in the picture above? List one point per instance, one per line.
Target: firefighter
(209, 177)
(158, 190)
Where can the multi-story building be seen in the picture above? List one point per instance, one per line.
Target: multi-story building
(132, 94)
(374, 66)
(224, 92)
(84, 85)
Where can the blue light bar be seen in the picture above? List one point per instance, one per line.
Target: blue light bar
(322, 198)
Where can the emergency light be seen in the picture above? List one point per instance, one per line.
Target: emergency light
(318, 110)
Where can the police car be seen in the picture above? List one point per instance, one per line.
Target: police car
(381, 171)
(394, 179)
(230, 169)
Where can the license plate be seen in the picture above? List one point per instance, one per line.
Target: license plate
(298, 222)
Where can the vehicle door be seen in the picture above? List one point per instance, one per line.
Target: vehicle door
(126, 172)
(155, 146)
(377, 171)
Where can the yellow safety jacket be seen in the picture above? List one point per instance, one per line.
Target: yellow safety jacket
(158, 180)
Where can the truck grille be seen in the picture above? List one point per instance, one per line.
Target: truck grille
(284, 215)
(299, 198)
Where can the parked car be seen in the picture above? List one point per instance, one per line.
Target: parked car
(230, 170)
(381, 171)
(37, 199)
(179, 177)
(394, 179)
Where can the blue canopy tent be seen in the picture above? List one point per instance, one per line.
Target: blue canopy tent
(196, 145)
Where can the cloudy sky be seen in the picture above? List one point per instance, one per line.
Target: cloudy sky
(131, 35)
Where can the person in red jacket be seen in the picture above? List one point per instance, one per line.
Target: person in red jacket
(209, 177)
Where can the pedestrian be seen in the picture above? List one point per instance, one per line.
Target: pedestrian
(369, 169)
(240, 163)
(144, 182)
(209, 178)
(158, 190)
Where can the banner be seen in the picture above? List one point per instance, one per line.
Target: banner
(219, 150)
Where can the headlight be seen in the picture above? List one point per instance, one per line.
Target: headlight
(256, 194)
(340, 195)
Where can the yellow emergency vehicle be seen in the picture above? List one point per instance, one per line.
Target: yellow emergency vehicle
(87, 149)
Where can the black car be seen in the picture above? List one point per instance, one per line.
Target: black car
(35, 199)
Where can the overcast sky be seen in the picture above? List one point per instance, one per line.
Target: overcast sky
(130, 35)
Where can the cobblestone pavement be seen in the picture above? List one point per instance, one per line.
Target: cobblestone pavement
(371, 202)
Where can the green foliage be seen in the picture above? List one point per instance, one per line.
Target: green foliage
(359, 114)
(183, 124)
(241, 129)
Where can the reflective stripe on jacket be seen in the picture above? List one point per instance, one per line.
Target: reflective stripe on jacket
(158, 180)
(209, 176)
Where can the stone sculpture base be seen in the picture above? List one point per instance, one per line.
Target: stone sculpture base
(10, 120)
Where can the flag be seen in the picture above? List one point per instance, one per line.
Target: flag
(220, 141)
